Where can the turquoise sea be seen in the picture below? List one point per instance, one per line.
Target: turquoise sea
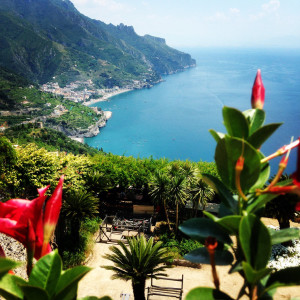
(172, 119)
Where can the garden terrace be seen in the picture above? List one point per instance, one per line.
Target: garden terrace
(113, 228)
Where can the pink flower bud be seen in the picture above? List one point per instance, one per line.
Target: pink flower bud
(258, 92)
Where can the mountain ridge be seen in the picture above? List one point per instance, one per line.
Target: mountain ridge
(58, 41)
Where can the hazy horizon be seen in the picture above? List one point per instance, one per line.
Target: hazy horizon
(192, 23)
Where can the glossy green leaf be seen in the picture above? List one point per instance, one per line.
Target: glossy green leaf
(46, 272)
(200, 228)
(224, 194)
(6, 265)
(35, 293)
(284, 277)
(260, 202)
(256, 118)
(264, 175)
(255, 241)
(201, 256)
(228, 151)
(10, 287)
(230, 223)
(235, 122)
(259, 136)
(254, 276)
(210, 216)
(216, 135)
(67, 286)
(284, 235)
(206, 293)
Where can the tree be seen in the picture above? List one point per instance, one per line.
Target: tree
(140, 261)
(78, 206)
(200, 194)
(177, 193)
(159, 189)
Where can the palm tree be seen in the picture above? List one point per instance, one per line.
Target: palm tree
(140, 261)
(177, 192)
(78, 206)
(97, 182)
(200, 194)
(160, 191)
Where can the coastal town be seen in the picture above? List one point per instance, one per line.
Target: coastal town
(86, 93)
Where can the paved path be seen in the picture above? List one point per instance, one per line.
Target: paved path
(98, 282)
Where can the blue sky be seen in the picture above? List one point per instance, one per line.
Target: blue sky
(199, 23)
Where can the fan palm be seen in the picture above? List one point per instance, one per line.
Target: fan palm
(138, 262)
(160, 191)
(78, 206)
(200, 194)
(178, 193)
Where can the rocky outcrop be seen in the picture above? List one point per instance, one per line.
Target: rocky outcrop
(91, 131)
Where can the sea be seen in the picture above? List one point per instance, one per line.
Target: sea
(172, 119)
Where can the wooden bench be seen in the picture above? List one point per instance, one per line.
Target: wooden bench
(167, 291)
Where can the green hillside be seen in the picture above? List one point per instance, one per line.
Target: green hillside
(20, 102)
(42, 39)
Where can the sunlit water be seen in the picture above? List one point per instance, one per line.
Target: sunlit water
(172, 119)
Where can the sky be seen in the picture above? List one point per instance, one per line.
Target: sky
(204, 23)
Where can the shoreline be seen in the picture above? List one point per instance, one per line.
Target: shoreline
(107, 96)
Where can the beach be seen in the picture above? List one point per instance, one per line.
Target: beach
(107, 95)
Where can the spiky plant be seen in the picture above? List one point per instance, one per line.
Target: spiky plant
(78, 206)
(137, 262)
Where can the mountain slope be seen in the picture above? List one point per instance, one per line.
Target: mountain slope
(41, 39)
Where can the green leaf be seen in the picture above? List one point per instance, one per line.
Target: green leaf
(230, 223)
(228, 151)
(6, 265)
(67, 286)
(254, 276)
(9, 287)
(35, 293)
(235, 122)
(259, 136)
(201, 256)
(207, 294)
(216, 135)
(284, 277)
(260, 202)
(46, 272)
(224, 194)
(284, 235)
(255, 241)
(210, 216)
(263, 176)
(255, 117)
(200, 228)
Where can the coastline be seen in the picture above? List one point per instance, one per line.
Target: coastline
(107, 96)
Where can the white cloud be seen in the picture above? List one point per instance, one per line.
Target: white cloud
(218, 16)
(267, 9)
(271, 6)
(234, 11)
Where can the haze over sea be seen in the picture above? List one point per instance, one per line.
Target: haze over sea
(172, 119)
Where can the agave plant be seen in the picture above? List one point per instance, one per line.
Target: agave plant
(138, 262)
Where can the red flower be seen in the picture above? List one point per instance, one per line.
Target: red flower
(17, 214)
(52, 210)
(211, 244)
(258, 92)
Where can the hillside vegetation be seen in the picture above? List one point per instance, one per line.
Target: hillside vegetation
(21, 103)
(50, 38)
